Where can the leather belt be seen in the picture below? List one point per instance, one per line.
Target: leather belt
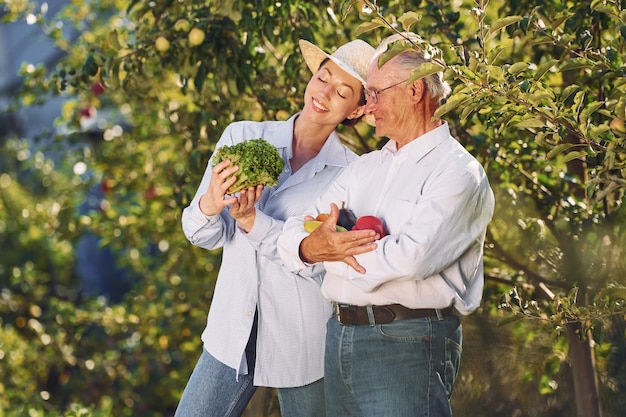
(352, 315)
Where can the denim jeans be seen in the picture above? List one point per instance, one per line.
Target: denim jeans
(212, 391)
(405, 368)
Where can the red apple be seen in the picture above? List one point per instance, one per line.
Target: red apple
(370, 223)
(97, 88)
(87, 111)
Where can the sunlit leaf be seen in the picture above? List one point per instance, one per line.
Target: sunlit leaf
(544, 67)
(502, 23)
(408, 19)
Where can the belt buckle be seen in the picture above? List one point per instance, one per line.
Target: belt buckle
(346, 313)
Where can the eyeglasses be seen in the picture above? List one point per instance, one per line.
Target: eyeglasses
(373, 94)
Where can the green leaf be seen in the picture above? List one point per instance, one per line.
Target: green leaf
(495, 53)
(517, 68)
(589, 110)
(424, 70)
(569, 90)
(574, 64)
(544, 67)
(616, 293)
(408, 18)
(510, 319)
(392, 50)
(369, 26)
(574, 155)
(90, 67)
(115, 41)
(560, 149)
(558, 21)
(502, 23)
(453, 102)
(531, 122)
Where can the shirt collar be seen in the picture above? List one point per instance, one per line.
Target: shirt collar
(332, 153)
(421, 145)
(284, 134)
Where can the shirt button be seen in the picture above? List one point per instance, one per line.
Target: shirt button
(249, 313)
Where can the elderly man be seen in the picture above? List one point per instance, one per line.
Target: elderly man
(393, 345)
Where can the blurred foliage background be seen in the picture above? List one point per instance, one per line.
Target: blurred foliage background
(103, 299)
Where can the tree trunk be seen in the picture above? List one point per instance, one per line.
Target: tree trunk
(584, 372)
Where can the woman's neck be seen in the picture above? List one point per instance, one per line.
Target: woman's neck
(308, 140)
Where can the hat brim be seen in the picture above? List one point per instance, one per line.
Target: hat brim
(314, 56)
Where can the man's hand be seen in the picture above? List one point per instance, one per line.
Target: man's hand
(326, 244)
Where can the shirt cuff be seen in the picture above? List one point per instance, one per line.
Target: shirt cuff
(260, 228)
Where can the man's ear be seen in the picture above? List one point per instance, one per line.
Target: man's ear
(418, 90)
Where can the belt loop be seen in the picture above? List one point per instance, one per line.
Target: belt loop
(439, 314)
(370, 315)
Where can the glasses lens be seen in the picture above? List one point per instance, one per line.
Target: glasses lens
(371, 95)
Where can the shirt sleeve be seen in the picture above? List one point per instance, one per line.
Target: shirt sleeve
(264, 237)
(288, 243)
(209, 232)
(448, 219)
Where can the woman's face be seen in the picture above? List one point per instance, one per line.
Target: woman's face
(332, 95)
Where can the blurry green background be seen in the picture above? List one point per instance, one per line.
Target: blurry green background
(103, 300)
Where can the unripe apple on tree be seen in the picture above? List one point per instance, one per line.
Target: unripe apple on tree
(196, 36)
(181, 25)
(617, 124)
(162, 44)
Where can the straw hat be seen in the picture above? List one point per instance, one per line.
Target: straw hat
(353, 57)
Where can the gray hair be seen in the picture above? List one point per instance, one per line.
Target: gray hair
(411, 59)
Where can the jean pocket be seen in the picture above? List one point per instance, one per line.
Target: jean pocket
(453, 362)
(412, 330)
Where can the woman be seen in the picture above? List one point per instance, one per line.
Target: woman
(266, 326)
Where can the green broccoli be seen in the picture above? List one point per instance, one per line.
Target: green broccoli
(258, 161)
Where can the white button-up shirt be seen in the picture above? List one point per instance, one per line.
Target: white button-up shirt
(292, 311)
(435, 201)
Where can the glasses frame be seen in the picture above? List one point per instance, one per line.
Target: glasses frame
(373, 94)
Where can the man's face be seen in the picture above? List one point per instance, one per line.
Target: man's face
(389, 101)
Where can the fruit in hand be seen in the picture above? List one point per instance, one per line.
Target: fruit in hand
(370, 223)
(322, 216)
(346, 218)
(310, 225)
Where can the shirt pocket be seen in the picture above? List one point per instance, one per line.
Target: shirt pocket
(398, 215)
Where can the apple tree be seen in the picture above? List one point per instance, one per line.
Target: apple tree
(539, 94)
(148, 88)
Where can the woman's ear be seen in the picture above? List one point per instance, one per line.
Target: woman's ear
(358, 112)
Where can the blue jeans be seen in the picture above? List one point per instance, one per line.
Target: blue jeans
(405, 368)
(212, 391)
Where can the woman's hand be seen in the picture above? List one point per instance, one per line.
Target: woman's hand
(243, 209)
(213, 200)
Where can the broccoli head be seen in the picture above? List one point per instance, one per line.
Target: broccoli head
(258, 162)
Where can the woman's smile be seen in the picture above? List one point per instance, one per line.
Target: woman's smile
(319, 106)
